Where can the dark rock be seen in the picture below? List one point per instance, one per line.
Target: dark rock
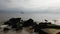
(28, 23)
(58, 33)
(6, 29)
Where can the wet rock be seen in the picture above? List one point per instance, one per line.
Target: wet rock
(28, 23)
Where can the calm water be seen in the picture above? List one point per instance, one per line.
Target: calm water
(35, 17)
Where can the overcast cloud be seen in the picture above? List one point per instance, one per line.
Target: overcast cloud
(30, 5)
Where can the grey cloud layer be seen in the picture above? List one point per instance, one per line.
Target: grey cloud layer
(30, 5)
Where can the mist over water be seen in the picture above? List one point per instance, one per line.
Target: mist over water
(35, 16)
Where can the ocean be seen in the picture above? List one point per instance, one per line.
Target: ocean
(38, 17)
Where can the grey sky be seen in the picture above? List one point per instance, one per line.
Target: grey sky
(30, 5)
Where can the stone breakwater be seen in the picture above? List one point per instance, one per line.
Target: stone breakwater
(17, 26)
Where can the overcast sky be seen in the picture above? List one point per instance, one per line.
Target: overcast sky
(30, 5)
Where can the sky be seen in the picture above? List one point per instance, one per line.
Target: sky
(30, 5)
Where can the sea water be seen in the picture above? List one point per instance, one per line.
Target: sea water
(38, 17)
